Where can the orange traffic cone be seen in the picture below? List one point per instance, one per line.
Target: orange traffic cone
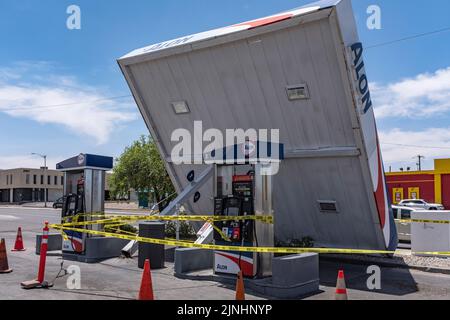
(146, 291)
(19, 241)
(4, 268)
(240, 290)
(341, 289)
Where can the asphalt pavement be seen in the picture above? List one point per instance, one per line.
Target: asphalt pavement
(120, 278)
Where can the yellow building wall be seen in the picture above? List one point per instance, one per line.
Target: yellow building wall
(437, 188)
(442, 165)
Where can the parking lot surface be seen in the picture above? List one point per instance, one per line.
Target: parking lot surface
(120, 278)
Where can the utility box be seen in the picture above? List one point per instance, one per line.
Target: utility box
(430, 237)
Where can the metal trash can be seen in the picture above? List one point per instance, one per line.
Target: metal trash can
(153, 252)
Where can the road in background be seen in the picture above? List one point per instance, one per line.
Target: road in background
(112, 279)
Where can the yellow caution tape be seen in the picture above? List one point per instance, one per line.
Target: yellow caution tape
(64, 235)
(116, 221)
(116, 225)
(222, 235)
(98, 215)
(119, 219)
(78, 216)
(186, 244)
(422, 221)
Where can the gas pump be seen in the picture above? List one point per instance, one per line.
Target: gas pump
(84, 192)
(72, 211)
(241, 192)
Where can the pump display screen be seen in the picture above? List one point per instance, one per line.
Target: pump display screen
(231, 212)
(232, 207)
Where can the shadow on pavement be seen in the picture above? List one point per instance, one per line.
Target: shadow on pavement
(395, 280)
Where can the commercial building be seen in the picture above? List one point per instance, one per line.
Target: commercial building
(28, 185)
(432, 185)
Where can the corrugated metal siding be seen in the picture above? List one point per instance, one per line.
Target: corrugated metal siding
(245, 82)
(310, 180)
(242, 85)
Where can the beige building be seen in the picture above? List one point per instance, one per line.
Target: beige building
(28, 185)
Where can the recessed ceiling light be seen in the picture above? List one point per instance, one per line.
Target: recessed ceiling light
(297, 92)
(180, 107)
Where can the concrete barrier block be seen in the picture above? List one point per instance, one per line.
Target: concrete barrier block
(192, 259)
(54, 242)
(294, 270)
(104, 248)
(98, 249)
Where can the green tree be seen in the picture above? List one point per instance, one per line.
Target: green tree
(141, 168)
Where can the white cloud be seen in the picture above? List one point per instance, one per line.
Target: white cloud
(30, 161)
(400, 146)
(425, 95)
(95, 118)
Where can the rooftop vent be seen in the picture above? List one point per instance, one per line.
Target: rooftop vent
(328, 206)
(180, 107)
(298, 92)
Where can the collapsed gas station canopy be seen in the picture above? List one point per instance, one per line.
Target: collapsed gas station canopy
(302, 72)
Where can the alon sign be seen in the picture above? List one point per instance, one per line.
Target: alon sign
(362, 83)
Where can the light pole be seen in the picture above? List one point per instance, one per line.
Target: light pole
(45, 176)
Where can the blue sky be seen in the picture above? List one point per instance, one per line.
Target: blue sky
(42, 61)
